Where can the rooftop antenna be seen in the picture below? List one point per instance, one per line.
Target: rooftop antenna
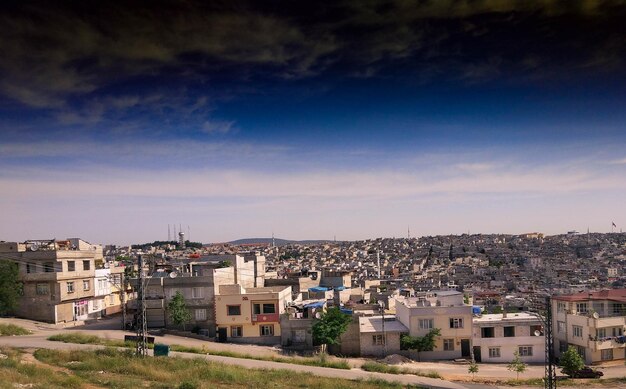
(378, 260)
(174, 230)
(273, 241)
(169, 236)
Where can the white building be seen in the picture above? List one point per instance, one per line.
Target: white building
(496, 337)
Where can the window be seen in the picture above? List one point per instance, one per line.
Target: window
(96, 305)
(607, 355)
(70, 287)
(200, 314)
(236, 332)
(42, 289)
(267, 330)
(448, 345)
(378, 340)
(525, 351)
(581, 307)
(71, 266)
(560, 326)
(234, 310)
(494, 352)
(509, 331)
(86, 284)
(456, 322)
(601, 333)
(560, 307)
(581, 351)
(563, 346)
(618, 331)
(86, 265)
(48, 267)
(196, 293)
(299, 336)
(487, 332)
(577, 331)
(618, 309)
(269, 308)
(30, 268)
(426, 324)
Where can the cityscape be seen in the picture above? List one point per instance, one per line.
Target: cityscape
(375, 194)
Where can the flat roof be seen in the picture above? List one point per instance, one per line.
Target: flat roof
(375, 324)
(510, 317)
(611, 294)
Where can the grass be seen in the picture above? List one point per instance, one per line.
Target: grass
(383, 368)
(321, 361)
(12, 329)
(111, 368)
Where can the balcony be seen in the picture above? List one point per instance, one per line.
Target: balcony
(266, 318)
(609, 342)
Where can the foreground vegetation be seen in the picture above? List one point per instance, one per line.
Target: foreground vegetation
(12, 329)
(111, 368)
(321, 361)
(383, 368)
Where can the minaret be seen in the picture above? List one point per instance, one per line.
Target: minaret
(378, 260)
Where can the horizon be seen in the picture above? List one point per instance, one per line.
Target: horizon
(327, 119)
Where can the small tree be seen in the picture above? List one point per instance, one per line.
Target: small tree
(330, 326)
(10, 287)
(571, 361)
(178, 311)
(420, 343)
(517, 365)
(473, 369)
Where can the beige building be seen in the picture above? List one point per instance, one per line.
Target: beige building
(378, 337)
(496, 337)
(57, 276)
(592, 322)
(251, 315)
(439, 309)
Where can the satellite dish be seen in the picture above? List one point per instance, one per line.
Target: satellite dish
(34, 247)
(537, 333)
(318, 315)
(595, 315)
(173, 274)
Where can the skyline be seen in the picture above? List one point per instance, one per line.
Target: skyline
(241, 119)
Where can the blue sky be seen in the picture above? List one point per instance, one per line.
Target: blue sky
(344, 119)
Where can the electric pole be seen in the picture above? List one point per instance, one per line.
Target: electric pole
(141, 347)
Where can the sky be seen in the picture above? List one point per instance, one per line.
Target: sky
(311, 120)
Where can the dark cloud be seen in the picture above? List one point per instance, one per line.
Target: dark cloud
(54, 53)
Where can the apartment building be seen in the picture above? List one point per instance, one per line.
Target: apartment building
(593, 322)
(496, 337)
(251, 315)
(57, 277)
(439, 309)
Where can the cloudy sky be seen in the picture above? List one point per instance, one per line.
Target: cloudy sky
(311, 119)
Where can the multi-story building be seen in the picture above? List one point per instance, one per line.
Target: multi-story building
(57, 278)
(496, 338)
(593, 322)
(444, 310)
(251, 315)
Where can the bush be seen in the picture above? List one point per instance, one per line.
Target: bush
(12, 329)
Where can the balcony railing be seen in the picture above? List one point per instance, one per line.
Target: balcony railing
(266, 318)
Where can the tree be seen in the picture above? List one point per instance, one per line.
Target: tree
(420, 343)
(472, 369)
(571, 361)
(178, 311)
(330, 326)
(10, 287)
(517, 365)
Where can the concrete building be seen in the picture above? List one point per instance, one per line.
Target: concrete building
(496, 337)
(593, 322)
(251, 315)
(439, 309)
(378, 338)
(58, 278)
(296, 326)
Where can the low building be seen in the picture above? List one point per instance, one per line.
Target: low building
(593, 322)
(380, 336)
(250, 315)
(296, 327)
(496, 338)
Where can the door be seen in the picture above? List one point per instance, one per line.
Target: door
(477, 356)
(465, 348)
(222, 334)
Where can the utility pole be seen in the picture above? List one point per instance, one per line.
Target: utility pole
(382, 309)
(550, 366)
(141, 347)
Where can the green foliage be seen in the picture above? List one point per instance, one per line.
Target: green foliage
(383, 368)
(223, 264)
(12, 330)
(178, 311)
(10, 287)
(330, 326)
(472, 369)
(517, 365)
(420, 343)
(571, 361)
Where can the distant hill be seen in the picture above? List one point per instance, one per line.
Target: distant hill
(278, 241)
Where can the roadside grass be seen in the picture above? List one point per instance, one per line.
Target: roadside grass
(566, 382)
(14, 374)
(383, 368)
(113, 368)
(322, 360)
(12, 329)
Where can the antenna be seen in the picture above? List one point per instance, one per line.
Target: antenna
(169, 236)
(378, 260)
